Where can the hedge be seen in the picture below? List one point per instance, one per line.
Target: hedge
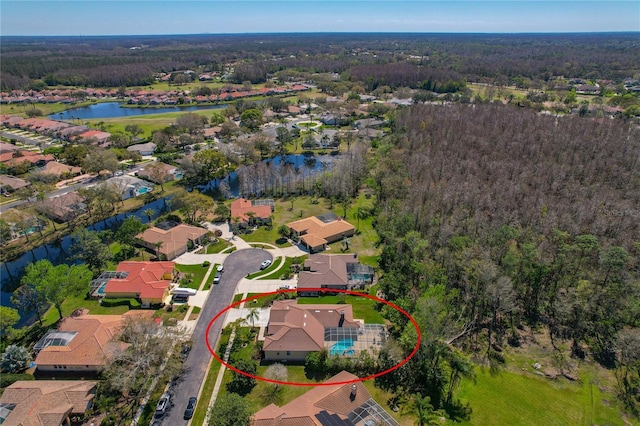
(110, 303)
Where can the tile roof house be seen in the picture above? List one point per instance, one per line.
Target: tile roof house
(243, 209)
(338, 271)
(149, 282)
(59, 169)
(45, 402)
(10, 184)
(129, 186)
(317, 231)
(143, 148)
(175, 241)
(81, 344)
(294, 331)
(17, 157)
(64, 208)
(97, 135)
(342, 404)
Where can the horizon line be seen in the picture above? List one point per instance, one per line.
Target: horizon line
(329, 33)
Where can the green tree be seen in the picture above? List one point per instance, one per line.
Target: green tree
(27, 299)
(251, 119)
(192, 203)
(128, 230)
(222, 211)
(8, 318)
(284, 139)
(230, 410)
(74, 155)
(56, 283)
(89, 248)
(134, 130)
(149, 213)
(207, 165)
(252, 316)
(240, 383)
(15, 359)
(98, 160)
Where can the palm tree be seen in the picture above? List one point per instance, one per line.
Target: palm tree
(425, 414)
(158, 244)
(252, 316)
(149, 213)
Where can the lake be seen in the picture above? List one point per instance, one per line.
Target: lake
(113, 110)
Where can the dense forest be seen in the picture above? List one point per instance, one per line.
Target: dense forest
(493, 218)
(501, 59)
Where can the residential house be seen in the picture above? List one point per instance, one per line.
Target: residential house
(129, 186)
(33, 158)
(60, 170)
(100, 137)
(317, 232)
(7, 147)
(172, 242)
(338, 271)
(246, 213)
(294, 331)
(210, 133)
(148, 282)
(64, 208)
(9, 184)
(165, 173)
(143, 148)
(330, 120)
(81, 344)
(45, 402)
(347, 403)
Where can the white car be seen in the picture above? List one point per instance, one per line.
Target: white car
(265, 264)
(220, 268)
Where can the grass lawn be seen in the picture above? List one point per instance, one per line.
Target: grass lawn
(270, 269)
(363, 308)
(287, 265)
(207, 391)
(524, 399)
(76, 302)
(218, 246)
(262, 235)
(198, 272)
(237, 298)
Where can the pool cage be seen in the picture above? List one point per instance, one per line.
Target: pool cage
(97, 285)
(347, 341)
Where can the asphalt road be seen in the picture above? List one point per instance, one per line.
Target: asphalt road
(237, 266)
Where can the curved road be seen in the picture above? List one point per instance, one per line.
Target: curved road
(237, 265)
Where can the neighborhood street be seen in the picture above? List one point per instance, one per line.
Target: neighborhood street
(237, 265)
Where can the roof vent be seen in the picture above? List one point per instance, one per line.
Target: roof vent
(354, 392)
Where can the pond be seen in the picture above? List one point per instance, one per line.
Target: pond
(59, 252)
(113, 110)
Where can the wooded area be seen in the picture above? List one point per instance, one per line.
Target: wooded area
(493, 218)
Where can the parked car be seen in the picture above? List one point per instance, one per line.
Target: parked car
(216, 278)
(191, 407)
(265, 264)
(162, 405)
(220, 268)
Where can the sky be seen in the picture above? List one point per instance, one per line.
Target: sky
(118, 17)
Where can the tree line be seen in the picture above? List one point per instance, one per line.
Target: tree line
(493, 219)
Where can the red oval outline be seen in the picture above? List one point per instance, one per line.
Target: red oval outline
(324, 290)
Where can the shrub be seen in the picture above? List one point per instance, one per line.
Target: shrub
(110, 303)
(9, 379)
(206, 264)
(15, 358)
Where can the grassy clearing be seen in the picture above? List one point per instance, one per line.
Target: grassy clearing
(198, 272)
(76, 302)
(218, 246)
(47, 109)
(363, 308)
(270, 269)
(524, 399)
(286, 267)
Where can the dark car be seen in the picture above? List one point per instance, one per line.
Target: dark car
(191, 407)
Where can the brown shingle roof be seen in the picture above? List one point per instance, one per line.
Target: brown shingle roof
(332, 400)
(174, 239)
(46, 402)
(316, 232)
(91, 345)
(325, 269)
(294, 327)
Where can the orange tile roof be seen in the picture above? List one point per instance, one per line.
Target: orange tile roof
(145, 279)
(174, 239)
(92, 343)
(306, 409)
(294, 327)
(46, 402)
(315, 232)
(241, 207)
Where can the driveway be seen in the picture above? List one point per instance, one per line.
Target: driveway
(236, 266)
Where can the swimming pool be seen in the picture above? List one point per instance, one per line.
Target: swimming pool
(342, 347)
(100, 290)
(143, 190)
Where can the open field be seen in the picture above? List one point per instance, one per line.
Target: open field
(524, 399)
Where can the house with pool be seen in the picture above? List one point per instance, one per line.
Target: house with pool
(129, 186)
(296, 330)
(148, 282)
